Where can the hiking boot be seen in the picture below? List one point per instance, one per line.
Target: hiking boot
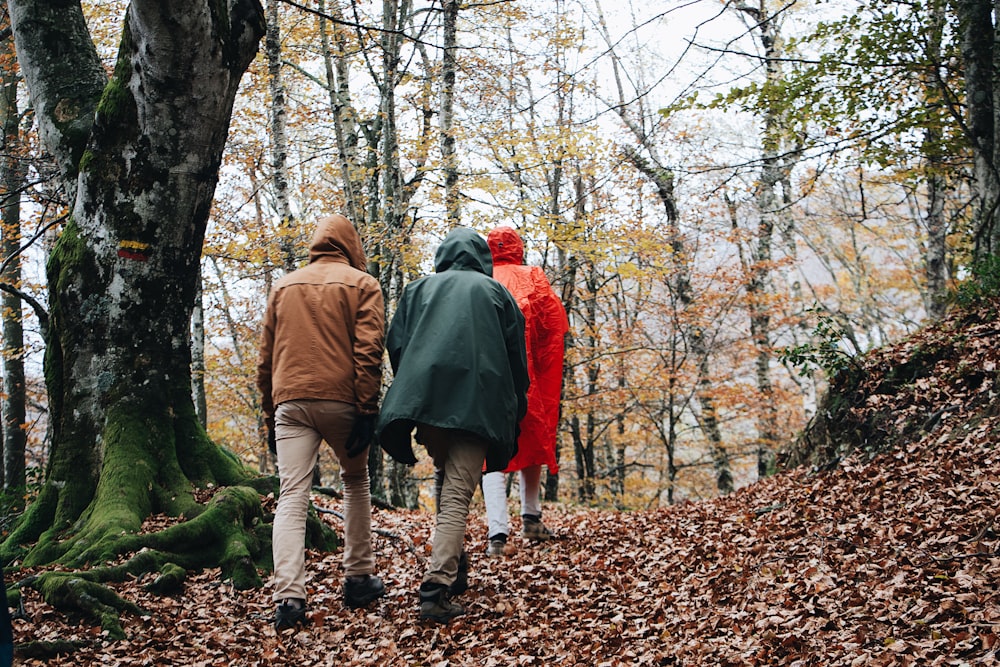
(534, 529)
(290, 613)
(495, 547)
(461, 583)
(435, 605)
(362, 590)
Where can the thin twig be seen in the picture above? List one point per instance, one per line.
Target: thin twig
(380, 531)
(38, 234)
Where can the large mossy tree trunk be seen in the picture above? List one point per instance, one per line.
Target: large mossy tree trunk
(139, 157)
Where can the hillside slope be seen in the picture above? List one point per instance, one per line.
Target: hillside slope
(889, 555)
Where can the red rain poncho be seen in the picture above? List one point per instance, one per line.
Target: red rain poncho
(545, 328)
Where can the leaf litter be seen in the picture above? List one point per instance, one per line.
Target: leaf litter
(891, 559)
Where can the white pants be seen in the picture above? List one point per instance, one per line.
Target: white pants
(495, 496)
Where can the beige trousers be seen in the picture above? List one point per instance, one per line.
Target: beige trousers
(300, 426)
(458, 467)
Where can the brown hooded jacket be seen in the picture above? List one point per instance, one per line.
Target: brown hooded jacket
(324, 327)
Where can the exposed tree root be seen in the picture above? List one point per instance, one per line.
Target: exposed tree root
(45, 650)
(170, 581)
(231, 533)
(70, 592)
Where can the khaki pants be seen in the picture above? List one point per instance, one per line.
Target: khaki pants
(300, 426)
(458, 465)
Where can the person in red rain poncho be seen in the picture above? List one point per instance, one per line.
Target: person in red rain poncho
(545, 328)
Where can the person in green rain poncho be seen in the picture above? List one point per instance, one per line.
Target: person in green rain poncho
(460, 382)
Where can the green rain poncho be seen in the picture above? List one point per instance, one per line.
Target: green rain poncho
(456, 345)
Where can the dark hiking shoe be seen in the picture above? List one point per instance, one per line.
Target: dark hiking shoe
(435, 605)
(496, 544)
(290, 613)
(461, 583)
(362, 590)
(533, 529)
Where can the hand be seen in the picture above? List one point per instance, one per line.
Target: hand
(272, 440)
(361, 435)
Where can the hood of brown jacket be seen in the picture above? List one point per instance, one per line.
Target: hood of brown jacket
(335, 237)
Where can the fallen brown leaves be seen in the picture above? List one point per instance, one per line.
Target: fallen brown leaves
(894, 561)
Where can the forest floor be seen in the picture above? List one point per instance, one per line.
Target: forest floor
(894, 562)
(889, 561)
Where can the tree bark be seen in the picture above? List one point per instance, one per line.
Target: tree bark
(279, 140)
(449, 158)
(936, 252)
(402, 491)
(585, 437)
(139, 155)
(980, 54)
(12, 473)
(198, 356)
(344, 114)
(769, 212)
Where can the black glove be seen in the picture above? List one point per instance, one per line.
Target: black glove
(361, 435)
(272, 440)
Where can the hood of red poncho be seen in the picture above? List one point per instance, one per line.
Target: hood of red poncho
(506, 246)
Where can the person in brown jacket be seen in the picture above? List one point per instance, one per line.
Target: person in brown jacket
(319, 374)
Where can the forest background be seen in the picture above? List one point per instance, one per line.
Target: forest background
(732, 200)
